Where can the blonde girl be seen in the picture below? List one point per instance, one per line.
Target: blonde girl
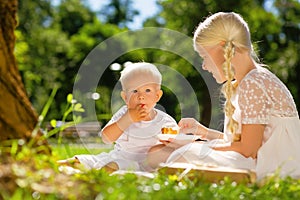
(261, 129)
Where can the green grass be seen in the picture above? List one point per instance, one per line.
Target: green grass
(63, 152)
(36, 176)
(74, 146)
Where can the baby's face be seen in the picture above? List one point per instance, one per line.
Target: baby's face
(142, 92)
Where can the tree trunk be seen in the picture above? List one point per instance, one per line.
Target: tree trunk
(17, 117)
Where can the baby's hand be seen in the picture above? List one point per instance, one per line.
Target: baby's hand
(138, 113)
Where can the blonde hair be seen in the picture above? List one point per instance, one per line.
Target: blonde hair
(232, 31)
(140, 69)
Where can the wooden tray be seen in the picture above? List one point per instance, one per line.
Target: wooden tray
(208, 173)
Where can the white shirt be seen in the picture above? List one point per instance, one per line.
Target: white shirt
(139, 137)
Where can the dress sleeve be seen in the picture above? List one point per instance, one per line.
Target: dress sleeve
(254, 102)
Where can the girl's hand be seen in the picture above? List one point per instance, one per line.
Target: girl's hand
(190, 125)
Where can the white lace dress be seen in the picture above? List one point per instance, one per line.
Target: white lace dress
(261, 98)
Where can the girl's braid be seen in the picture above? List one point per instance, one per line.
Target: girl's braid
(229, 89)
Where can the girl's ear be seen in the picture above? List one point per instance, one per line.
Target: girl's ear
(159, 94)
(123, 95)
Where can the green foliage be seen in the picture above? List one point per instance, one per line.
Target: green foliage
(119, 12)
(72, 107)
(50, 51)
(53, 43)
(72, 15)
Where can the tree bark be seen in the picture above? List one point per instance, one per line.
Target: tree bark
(17, 117)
